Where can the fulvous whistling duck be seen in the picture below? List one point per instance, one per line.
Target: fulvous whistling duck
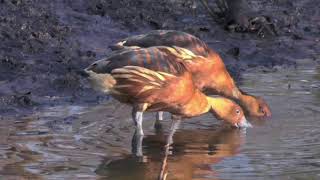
(209, 73)
(150, 80)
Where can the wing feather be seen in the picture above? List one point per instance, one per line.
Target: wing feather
(159, 58)
(166, 38)
(138, 82)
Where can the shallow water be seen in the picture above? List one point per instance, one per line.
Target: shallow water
(94, 142)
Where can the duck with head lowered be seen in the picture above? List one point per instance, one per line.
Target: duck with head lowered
(209, 73)
(157, 79)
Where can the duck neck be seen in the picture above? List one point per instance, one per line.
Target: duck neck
(200, 68)
(216, 105)
(239, 97)
(221, 80)
(235, 93)
(225, 87)
(248, 103)
(197, 105)
(210, 75)
(242, 97)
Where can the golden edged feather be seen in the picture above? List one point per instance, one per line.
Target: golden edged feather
(155, 83)
(130, 72)
(146, 72)
(145, 106)
(146, 88)
(185, 52)
(136, 80)
(124, 76)
(182, 53)
(155, 79)
(166, 74)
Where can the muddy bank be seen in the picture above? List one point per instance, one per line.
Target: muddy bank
(44, 44)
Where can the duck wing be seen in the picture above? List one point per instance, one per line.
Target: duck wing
(165, 38)
(158, 58)
(140, 84)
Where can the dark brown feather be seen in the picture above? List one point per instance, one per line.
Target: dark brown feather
(166, 38)
(159, 58)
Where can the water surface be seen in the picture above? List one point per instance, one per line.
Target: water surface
(94, 142)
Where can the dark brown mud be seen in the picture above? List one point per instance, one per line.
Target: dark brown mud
(45, 44)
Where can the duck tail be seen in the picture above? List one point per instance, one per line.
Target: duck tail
(101, 82)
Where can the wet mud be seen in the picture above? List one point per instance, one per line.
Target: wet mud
(45, 44)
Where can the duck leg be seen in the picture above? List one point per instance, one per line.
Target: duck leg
(174, 126)
(136, 145)
(137, 117)
(159, 117)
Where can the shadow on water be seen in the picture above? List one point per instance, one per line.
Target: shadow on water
(192, 154)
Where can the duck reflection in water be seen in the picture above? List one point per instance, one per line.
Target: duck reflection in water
(185, 154)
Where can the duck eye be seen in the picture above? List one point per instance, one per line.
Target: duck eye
(238, 111)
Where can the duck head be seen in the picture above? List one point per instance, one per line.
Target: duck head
(255, 106)
(227, 110)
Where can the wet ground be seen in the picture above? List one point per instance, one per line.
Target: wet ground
(94, 142)
(45, 44)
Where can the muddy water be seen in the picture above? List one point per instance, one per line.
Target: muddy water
(95, 142)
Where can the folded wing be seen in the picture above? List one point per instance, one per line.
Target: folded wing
(139, 83)
(165, 38)
(159, 58)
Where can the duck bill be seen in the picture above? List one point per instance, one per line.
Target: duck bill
(243, 123)
(268, 113)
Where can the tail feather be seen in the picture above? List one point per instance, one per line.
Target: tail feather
(101, 82)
